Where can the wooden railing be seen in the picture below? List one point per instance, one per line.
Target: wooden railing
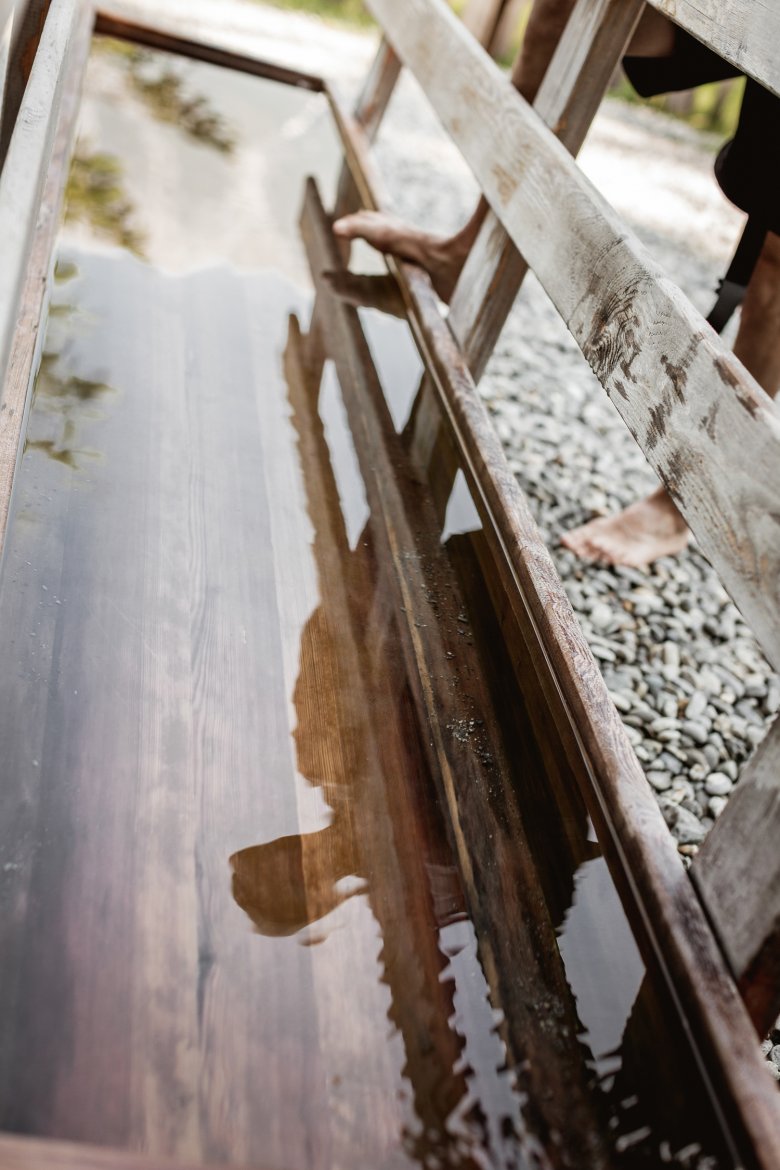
(705, 425)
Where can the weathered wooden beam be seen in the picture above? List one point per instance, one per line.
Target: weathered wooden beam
(169, 42)
(689, 403)
(568, 99)
(32, 1153)
(449, 690)
(377, 90)
(37, 161)
(27, 160)
(746, 34)
(737, 874)
(631, 828)
(29, 18)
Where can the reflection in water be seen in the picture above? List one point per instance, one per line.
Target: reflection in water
(606, 987)
(154, 78)
(355, 739)
(62, 401)
(95, 195)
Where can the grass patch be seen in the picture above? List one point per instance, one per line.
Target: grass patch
(351, 12)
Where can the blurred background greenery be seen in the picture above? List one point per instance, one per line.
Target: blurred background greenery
(714, 108)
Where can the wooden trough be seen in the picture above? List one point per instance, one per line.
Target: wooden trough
(475, 769)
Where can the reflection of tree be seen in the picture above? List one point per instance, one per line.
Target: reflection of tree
(60, 403)
(163, 90)
(95, 195)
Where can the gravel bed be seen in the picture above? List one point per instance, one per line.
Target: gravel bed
(695, 692)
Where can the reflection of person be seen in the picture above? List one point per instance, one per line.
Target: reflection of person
(660, 57)
(287, 884)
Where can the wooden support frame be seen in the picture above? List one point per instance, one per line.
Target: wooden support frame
(741, 847)
(32, 184)
(607, 325)
(685, 398)
(631, 828)
(570, 94)
(747, 35)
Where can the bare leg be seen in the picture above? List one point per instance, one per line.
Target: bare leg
(654, 527)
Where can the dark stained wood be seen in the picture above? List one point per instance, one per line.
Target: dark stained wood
(168, 42)
(737, 874)
(24, 347)
(640, 850)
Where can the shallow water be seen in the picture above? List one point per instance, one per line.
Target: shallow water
(243, 917)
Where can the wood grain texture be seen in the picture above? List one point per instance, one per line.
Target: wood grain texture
(168, 42)
(615, 788)
(737, 874)
(377, 89)
(28, 157)
(28, 20)
(462, 736)
(22, 1153)
(747, 35)
(26, 338)
(574, 85)
(689, 403)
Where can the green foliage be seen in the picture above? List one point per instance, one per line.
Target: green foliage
(95, 195)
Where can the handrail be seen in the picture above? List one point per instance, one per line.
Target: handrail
(746, 34)
(689, 403)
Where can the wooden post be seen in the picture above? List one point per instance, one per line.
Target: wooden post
(737, 875)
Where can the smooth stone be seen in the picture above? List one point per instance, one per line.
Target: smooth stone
(660, 781)
(697, 731)
(718, 784)
(697, 705)
(716, 805)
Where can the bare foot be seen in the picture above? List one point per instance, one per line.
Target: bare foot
(643, 532)
(442, 257)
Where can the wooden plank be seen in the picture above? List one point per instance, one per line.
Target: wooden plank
(26, 1153)
(746, 34)
(27, 334)
(377, 89)
(737, 874)
(449, 691)
(635, 838)
(570, 94)
(28, 158)
(169, 42)
(688, 402)
(28, 21)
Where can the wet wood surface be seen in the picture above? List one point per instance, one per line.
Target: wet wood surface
(737, 873)
(284, 882)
